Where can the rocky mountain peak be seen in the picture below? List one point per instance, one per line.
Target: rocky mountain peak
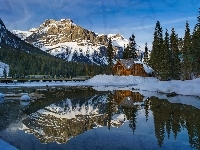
(66, 21)
(60, 23)
(117, 36)
(72, 42)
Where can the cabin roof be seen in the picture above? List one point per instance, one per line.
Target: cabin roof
(127, 63)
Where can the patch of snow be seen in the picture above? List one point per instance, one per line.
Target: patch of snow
(22, 34)
(2, 66)
(32, 29)
(121, 80)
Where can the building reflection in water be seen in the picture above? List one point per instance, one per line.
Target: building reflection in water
(127, 98)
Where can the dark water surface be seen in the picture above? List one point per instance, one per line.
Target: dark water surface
(81, 118)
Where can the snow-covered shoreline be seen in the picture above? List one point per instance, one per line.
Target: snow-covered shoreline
(109, 82)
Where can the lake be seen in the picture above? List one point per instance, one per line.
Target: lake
(81, 118)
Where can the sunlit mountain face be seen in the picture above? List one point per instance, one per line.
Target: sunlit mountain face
(71, 42)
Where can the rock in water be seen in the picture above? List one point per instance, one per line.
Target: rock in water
(25, 98)
(24, 103)
(171, 94)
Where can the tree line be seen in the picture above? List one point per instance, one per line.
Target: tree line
(171, 57)
(22, 63)
(176, 58)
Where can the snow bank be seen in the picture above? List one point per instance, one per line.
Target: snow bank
(2, 66)
(188, 87)
(109, 82)
(120, 80)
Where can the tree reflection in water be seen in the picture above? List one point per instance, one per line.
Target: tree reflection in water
(174, 117)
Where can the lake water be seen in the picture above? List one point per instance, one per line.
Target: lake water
(81, 118)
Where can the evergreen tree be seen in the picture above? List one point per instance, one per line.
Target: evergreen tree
(195, 48)
(130, 50)
(126, 52)
(146, 55)
(175, 60)
(165, 59)
(155, 59)
(180, 44)
(110, 53)
(186, 65)
(132, 47)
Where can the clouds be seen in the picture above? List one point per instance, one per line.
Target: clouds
(102, 16)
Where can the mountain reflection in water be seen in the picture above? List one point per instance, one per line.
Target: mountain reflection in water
(64, 120)
(121, 110)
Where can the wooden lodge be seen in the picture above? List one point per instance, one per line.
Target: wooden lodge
(125, 67)
(122, 96)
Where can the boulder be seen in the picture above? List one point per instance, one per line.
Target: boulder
(172, 94)
(25, 98)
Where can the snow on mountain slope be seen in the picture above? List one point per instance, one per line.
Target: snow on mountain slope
(71, 42)
(2, 66)
(22, 34)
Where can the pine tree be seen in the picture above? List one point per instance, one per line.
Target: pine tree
(165, 59)
(186, 65)
(175, 60)
(195, 48)
(146, 55)
(180, 44)
(126, 52)
(130, 50)
(157, 45)
(110, 53)
(132, 47)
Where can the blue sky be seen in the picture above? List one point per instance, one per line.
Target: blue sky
(104, 16)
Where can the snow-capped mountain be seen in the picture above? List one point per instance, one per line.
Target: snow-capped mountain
(2, 67)
(22, 34)
(71, 42)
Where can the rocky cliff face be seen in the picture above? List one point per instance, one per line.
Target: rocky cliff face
(71, 42)
(52, 32)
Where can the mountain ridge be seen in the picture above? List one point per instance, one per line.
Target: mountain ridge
(8, 39)
(25, 59)
(66, 40)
